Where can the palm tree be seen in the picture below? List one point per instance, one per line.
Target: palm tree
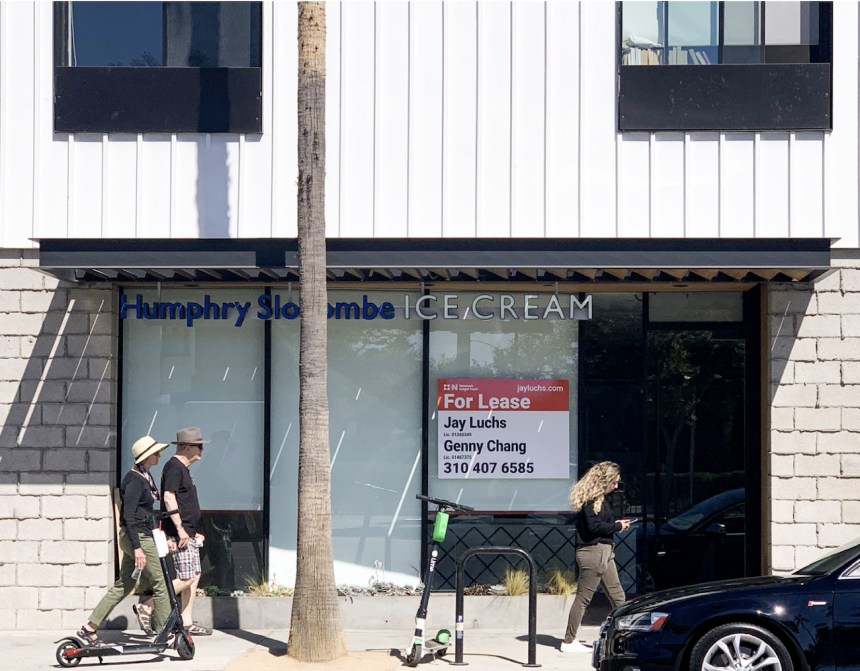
(315, 629)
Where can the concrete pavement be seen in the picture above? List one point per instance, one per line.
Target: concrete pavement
(485, 650)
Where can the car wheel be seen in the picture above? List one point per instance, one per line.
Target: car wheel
(740, 645)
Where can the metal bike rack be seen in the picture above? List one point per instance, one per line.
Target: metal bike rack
(497, 550)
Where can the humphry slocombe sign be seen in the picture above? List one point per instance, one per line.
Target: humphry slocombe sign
(426, 307)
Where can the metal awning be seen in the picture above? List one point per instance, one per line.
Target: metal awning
(575, 260)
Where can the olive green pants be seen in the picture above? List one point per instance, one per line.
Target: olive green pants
(596, 567)
(125, 584)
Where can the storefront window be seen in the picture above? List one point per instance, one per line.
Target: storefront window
(374, 392)
(491, 350)
(211, 376)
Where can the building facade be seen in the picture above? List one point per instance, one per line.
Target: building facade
(512, 198)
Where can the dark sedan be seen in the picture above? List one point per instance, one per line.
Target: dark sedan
(808, 621)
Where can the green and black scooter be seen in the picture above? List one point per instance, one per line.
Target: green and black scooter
(439, 645)
(172, 635)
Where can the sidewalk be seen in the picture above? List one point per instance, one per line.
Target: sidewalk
(485, 650)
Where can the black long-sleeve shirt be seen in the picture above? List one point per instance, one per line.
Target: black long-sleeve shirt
(599, 527)
(137, 509)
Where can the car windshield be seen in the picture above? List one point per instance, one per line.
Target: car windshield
(703, 510)
(832, 560)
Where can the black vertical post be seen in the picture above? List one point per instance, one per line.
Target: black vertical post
(425, 437)
(753, 376)
(267, 435)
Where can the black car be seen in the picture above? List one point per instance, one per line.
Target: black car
(808, 621)
(702, 544)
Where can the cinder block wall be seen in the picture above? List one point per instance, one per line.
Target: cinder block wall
(58, 372)
(814, 460)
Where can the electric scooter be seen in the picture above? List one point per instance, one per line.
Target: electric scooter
(439, 645)
(72, 649)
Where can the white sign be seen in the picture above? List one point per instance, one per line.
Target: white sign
(503, 429)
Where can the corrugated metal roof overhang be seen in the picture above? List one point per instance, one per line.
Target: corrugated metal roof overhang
(631, 260)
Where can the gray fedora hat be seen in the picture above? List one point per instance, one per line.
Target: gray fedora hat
(189, 435)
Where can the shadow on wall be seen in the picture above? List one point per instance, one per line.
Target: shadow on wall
(213, 177)
(58, 430)
(788, 309)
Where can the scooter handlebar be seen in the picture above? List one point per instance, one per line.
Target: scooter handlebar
(442, 503)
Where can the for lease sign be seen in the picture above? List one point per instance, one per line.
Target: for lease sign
(503, 428)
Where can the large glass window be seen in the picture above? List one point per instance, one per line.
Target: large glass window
(375, 392)
(710, 33)
(158, 67)
(211, 376)
(655, 382)
(171, 34)
(470, 347)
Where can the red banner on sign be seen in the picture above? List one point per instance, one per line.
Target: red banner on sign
(493, 394)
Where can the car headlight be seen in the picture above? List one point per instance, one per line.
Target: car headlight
(642, 622)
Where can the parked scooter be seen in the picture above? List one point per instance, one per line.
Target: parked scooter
(439, 645)
(72, 649)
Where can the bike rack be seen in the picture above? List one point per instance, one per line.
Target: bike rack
(499, 550)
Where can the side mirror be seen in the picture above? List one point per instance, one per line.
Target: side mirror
(716, 529)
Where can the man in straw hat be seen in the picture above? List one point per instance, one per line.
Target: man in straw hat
(180, 492)
(139, 493)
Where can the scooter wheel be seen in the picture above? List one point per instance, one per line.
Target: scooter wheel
(414, 655)
(62, 659)
(185, 647)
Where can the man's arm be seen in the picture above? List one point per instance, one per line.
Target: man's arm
(171, 504)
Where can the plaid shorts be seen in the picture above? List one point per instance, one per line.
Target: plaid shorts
(186, 560)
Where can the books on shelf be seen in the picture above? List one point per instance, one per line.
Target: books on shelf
(638, 56)
(633, 55)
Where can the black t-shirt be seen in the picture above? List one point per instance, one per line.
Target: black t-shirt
(176, 478)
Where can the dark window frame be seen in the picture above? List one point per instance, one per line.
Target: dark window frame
(152, 99)
(727, 97)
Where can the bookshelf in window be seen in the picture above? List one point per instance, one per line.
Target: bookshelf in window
(642, 55)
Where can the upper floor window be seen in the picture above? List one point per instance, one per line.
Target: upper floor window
(714, 33)
(137, 67)
(772, 65)
(164, 34)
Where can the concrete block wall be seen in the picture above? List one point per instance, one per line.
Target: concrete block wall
(58, 373)
(814, 459)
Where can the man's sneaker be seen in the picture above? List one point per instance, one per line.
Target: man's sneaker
(576, 646)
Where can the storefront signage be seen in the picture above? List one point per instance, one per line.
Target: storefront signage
(503, 429)
(425, 307)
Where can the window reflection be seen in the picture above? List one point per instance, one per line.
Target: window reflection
(163, 34)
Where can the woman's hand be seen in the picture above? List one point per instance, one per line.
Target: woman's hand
(625, 524)
(139, 558)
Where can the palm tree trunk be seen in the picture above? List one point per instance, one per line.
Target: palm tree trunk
(315, 629)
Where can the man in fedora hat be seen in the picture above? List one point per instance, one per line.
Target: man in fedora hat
(179, 492)
(139, 493)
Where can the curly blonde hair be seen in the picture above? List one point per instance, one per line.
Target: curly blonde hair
(594, 485)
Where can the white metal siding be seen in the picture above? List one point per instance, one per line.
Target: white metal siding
(443, 119)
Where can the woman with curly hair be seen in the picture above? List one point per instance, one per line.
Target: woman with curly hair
(595, 553)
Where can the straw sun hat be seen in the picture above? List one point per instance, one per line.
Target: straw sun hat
(145, 447)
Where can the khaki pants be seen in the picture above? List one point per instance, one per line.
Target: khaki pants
(124, 585)
(596, 567)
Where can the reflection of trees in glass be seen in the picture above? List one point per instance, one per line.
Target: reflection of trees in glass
(691, 372)
(551, 343)
(146, 60)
